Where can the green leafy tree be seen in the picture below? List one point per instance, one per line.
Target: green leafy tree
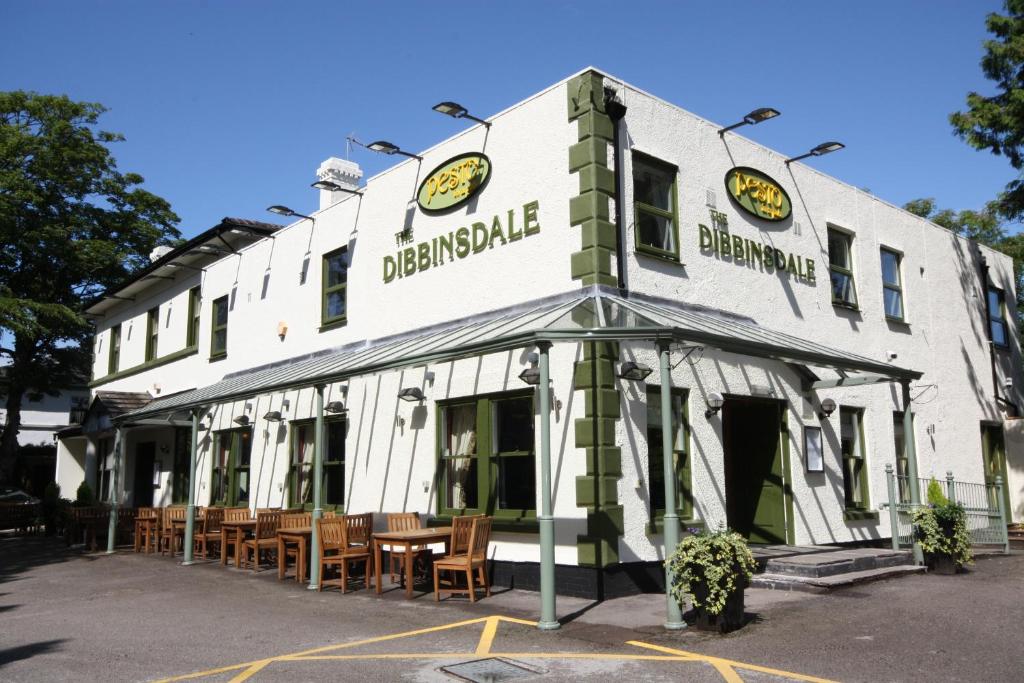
(71, 225)
(996, 122)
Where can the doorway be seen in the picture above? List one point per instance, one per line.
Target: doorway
(756, 490)
(993, 453)
(145, 458)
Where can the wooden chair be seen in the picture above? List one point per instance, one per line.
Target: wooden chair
(461, 529)
(359, 528)
(234, 515)
(264, 538)
(335, 551)
(403, 521)
(207, 531)
(295, 520)
(168, 538)
(143, 528)
(473, 561)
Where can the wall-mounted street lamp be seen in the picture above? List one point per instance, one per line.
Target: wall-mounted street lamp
(332, 186)
(241, 420)
(828, 406)
(273, 416)
(385, 147)
(457, 111)
(285, 211)
(335, 407)
(823, 148)
(637, 372)
(754, 117)
(715, 403)
(411, 394)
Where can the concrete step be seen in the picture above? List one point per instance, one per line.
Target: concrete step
(837, 562)
(824, 584)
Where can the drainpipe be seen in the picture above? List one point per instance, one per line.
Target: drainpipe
(318, 475)
(190, 515)
(546, 521)
(983, 276)
(670, 522)
(616, 111)
(112, 526)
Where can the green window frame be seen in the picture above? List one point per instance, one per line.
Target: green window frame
(219, 328)
(300, 471)
(854, 455)
(334, 302)
(152, 332)
(656, 207)
(104, 467)
(180, 466)
(892, 284)
(195, 304)
(230, 467)
(840, 264)
(487, 460)
(114, 352)
(997, 318)
(680, 453)
(900, 447)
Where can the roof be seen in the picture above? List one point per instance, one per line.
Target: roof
(592, 314)
(118, 403)
(225, 238)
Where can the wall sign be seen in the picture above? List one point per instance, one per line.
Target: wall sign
(757, 194)
(747, 252)
(454, 182)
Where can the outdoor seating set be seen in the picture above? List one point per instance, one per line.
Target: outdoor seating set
(345, 542)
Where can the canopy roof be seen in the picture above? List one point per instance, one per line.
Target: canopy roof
(591, 314)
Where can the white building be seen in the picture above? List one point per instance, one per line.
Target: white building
(603, 221)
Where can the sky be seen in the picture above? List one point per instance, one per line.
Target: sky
(229, 107)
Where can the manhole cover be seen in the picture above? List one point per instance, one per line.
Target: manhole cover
(488, 670)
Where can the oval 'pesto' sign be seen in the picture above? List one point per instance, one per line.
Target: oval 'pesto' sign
(454, 182)
(757, 194)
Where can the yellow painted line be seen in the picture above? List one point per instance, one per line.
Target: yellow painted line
(719, 663)
(248, 673)
(510, 655)
(487, 637)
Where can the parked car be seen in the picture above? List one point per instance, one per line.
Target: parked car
(9, 494)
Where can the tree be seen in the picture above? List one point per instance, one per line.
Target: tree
(996, 123)
(71, 225)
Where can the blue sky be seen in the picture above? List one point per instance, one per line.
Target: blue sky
(228, 107)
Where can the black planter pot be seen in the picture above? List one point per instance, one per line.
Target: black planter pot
(942, 564)
(730, 618)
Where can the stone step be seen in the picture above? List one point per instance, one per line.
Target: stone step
(837, 562)
(824, 584)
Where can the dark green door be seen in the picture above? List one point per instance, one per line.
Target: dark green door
(993, 451)
(145, 460)
(755, 498)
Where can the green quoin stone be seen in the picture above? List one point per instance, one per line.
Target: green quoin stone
(590, 261)
(594, 373)
(587, 152)
(604, 460)
(599, 279)
(588, 205)
(594, 431)
(595, 125)
(598, 233)
(597, 178)
(603, 403)
(594, 491)
(584, 94)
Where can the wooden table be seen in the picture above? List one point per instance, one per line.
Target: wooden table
(301, 537)
(407, 539)
(240, 528)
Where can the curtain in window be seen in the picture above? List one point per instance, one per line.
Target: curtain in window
(461, 465)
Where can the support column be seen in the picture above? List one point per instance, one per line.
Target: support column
(670, 525)
(547, 622)
(190, 514)
(118, 453)
(909, 443)
(318, 477)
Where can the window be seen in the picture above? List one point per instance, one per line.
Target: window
(487, 456)
(855, 472)
(335, 282)
(219, 329)
(892, 287)
(300, 480)
(844, 293)
(654, 196)
(229, 481)
(996, 321)
(152, 332)
(902, 468)
(680, 454)
(104, 466)
(194, 308)
(182, 458)
(114, 359)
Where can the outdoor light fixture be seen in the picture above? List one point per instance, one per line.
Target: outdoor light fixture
(385, 147)
(411, 394)
(828, 406)
(754, 117)
(823, 148)
(241, 420)
(272, 416)
(531, 375)
(335, 407)
(637, 372)
(715, 402)
(457, 111)
(333, 187)
(285, 211)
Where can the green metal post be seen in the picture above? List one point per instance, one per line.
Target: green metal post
(190, 515)
(1002, 514)
(950, 487)
(673, 613)
(112, 526)
(894, 509)
(547, 622)
(318, 475)
(911, 448)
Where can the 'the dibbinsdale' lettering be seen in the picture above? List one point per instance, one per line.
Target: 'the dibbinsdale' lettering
(460, 243)
(744, 251)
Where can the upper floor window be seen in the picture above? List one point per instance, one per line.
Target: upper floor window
(657, 215)
(114, 359)
(996, 318)
(152, 332)
(335, 283)
(892, 285)
(840, 263)
(194, 306)
(219, 329)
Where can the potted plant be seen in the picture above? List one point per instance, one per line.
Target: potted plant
(941, 529)
(712, 568)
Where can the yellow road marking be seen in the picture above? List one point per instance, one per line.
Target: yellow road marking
(722, 664)
(487, 637)
(254, 669)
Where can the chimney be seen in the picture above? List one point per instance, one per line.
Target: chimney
(345, 173)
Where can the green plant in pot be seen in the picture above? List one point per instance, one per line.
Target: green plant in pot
(712, 569)
(941, 529)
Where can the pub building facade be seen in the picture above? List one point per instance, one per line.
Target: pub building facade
(690, 295)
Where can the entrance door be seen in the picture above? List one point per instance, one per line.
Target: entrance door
(755, 498)
(993, 452)
(142, 491)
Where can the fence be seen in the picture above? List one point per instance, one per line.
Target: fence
(983, 503)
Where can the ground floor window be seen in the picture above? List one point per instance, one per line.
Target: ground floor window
(487, 456)
(180, 471)
(232, 451)
(300, 479)
(680, 453)
(104, 467)
(855, 471)
(902, 466)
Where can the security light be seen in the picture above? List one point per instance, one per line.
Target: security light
(823, 148)
(241, 420)
(335, 407)
(285, 211)
(273, 416)
(637, 372)
(754, 117)
(531, 375)
(411, 394)
(332, 186)
(385, 147)
(457, 111)
(828, 406)
(715, 403)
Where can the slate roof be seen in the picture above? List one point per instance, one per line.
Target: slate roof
(118, 403)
